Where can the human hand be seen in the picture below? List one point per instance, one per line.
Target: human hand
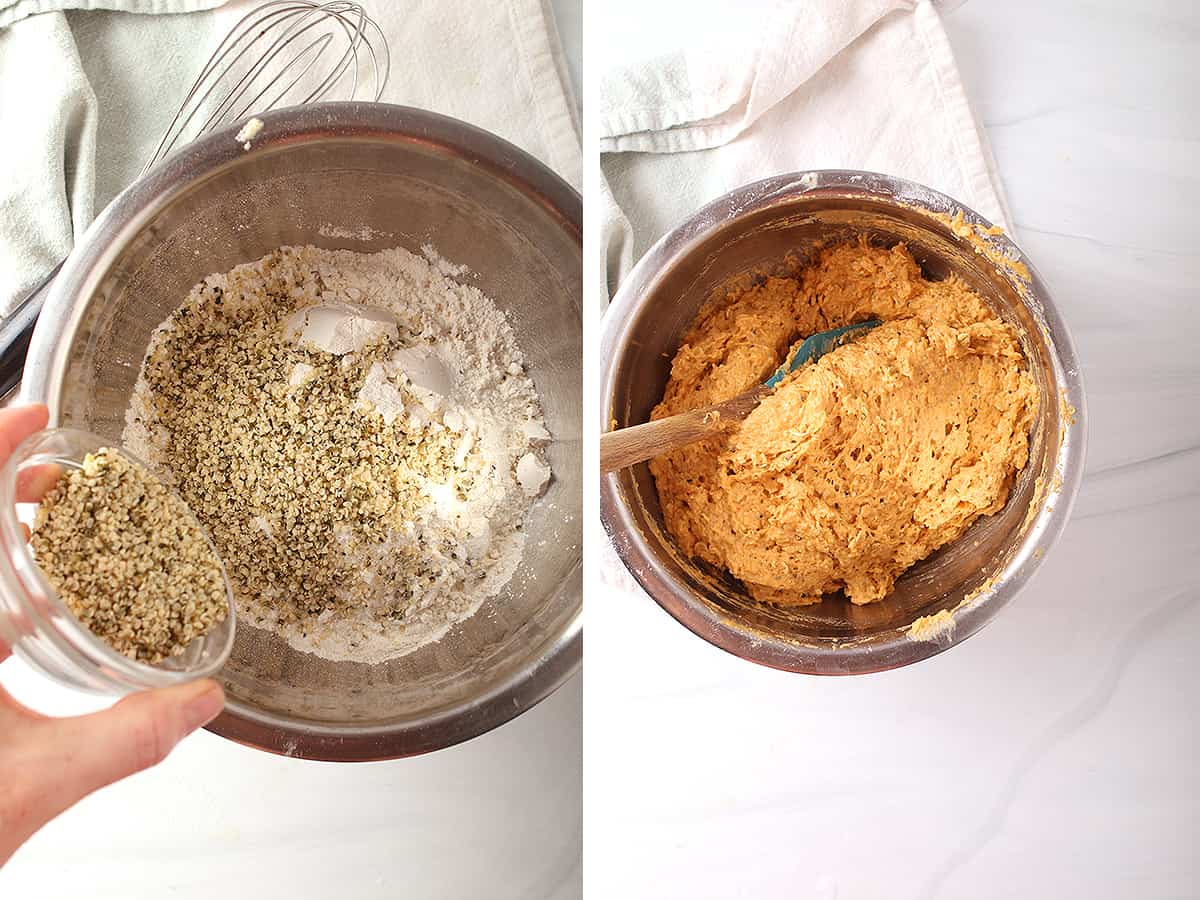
(48, 764)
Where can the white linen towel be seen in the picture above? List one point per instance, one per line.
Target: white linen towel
(836, 84)
(87, 93)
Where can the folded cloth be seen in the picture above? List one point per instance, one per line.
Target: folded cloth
(89, 86)
(869, 84)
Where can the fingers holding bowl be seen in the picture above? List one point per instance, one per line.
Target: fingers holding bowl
(18, 423)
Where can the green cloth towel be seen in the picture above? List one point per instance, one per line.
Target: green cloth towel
(84, 96)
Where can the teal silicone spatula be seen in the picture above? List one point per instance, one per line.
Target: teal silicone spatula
(628, 446)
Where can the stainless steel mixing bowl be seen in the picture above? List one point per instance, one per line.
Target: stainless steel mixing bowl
(365, 177)
(772, 227)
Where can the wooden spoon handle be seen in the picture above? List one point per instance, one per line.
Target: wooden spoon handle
(638, 443)
(629, 446)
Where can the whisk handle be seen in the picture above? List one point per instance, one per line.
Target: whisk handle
(16, 332)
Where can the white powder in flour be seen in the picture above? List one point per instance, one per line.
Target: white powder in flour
(365, 481)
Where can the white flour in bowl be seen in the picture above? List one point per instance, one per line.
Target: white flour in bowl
(358, 434)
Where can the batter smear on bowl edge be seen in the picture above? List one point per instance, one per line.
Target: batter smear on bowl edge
(858, 465)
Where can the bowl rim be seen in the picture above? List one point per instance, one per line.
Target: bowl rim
(832, 656)
(559, 657)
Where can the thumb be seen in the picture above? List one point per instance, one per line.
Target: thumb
(134, 734)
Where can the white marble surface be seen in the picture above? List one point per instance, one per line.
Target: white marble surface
(497, 817)
(1052, 754)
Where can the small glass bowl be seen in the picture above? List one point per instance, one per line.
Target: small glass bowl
(36, 624)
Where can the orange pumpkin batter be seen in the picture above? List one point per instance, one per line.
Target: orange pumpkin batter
(862, 463)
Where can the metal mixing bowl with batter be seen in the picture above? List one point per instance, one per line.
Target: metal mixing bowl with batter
(365, 177)
(771, 227)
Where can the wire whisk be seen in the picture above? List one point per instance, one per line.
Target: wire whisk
(282, 53)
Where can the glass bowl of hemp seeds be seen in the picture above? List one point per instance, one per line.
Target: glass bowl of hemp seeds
(108, 582)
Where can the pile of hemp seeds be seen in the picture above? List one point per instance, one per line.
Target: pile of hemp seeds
(128, 559)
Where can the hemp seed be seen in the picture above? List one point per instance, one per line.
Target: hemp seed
(127, 559)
